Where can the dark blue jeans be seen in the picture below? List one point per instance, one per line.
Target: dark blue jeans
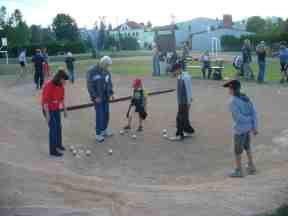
(102, 116)
(156, 66)
(55, 131)
(71, 75)
(206, 66)
(261, 74)
(38, 77)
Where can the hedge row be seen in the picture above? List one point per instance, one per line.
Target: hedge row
(54, 48)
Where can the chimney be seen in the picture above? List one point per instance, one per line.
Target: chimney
(227, 21)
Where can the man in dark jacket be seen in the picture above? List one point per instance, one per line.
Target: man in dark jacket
(38, 60)
(100, 88)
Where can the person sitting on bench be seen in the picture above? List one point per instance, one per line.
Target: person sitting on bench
(217, 75)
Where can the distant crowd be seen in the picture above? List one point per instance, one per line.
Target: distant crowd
(41, 66)
(163, 62)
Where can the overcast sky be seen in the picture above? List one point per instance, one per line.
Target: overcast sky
(86, 12)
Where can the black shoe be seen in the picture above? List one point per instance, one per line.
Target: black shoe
(140, 129)
(57, 154)
(61, 148)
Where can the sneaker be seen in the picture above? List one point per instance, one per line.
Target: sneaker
(237, 173)
(127, 127)
(140, 129)
(188, 134)
(99, 138)
(56, 154)
(250, 169)
(176, 138)
(61, 148)
(107, 133)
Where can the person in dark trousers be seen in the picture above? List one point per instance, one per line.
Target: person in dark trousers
(139, 101)
(100, 89)
(45, 63)
(38, 61)
(52, 101)
(247, 59)
(206, 65)
(283, 55)
(184, 99)
(69, 60)
(245, 122)
(261, 56)
(156, 61)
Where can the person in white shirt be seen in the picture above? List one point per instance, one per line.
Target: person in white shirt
(22, 61)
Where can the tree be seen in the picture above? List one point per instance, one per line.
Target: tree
(36, 34)
(255, 24)
(102, 34)
(3, 16)
(149, 24)
(65, 28)
(110, 27)
(48, 35)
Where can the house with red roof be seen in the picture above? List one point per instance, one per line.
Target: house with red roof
(139, 31)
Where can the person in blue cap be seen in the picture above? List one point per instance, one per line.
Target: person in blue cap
(245, 121)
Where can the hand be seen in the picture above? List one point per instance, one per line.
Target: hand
(65, 113)
(255, 132)
(47, 118)
(97, 100)
(112, 97)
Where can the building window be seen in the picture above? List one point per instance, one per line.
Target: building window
(128, 34)
(137, 34)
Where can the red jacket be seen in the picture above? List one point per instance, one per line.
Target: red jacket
(53, 96)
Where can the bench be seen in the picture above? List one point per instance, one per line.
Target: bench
(200, 66)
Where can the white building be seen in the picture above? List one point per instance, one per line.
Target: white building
(145, 37)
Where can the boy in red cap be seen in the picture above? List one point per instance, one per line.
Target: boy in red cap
(139, 100)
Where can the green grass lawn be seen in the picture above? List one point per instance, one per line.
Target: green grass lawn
(282, 211)
(141, 65)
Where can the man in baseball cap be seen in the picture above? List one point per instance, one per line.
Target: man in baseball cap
(100, 89)
(245, 121)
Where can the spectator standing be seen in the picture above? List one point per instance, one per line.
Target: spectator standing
(247, 59)
(156, 61)
(69, 60)
(38, 60)
(261, 57)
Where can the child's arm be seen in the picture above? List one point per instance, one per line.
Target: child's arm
(254, 120)
(145, 100)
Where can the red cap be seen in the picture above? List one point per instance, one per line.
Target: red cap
(137, 83)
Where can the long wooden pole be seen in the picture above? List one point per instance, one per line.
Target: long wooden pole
(82, 106)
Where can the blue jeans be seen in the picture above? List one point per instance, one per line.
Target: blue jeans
(102, 116)
(261, 74)
(55, 131)
(156, 66)
(38, 77)
(206, 66)
(71, 75)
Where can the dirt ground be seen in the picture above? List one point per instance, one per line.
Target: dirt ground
(147, 175)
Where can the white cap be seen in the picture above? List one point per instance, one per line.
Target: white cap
(106, 60)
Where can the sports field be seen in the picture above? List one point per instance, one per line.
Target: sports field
(148, 175)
